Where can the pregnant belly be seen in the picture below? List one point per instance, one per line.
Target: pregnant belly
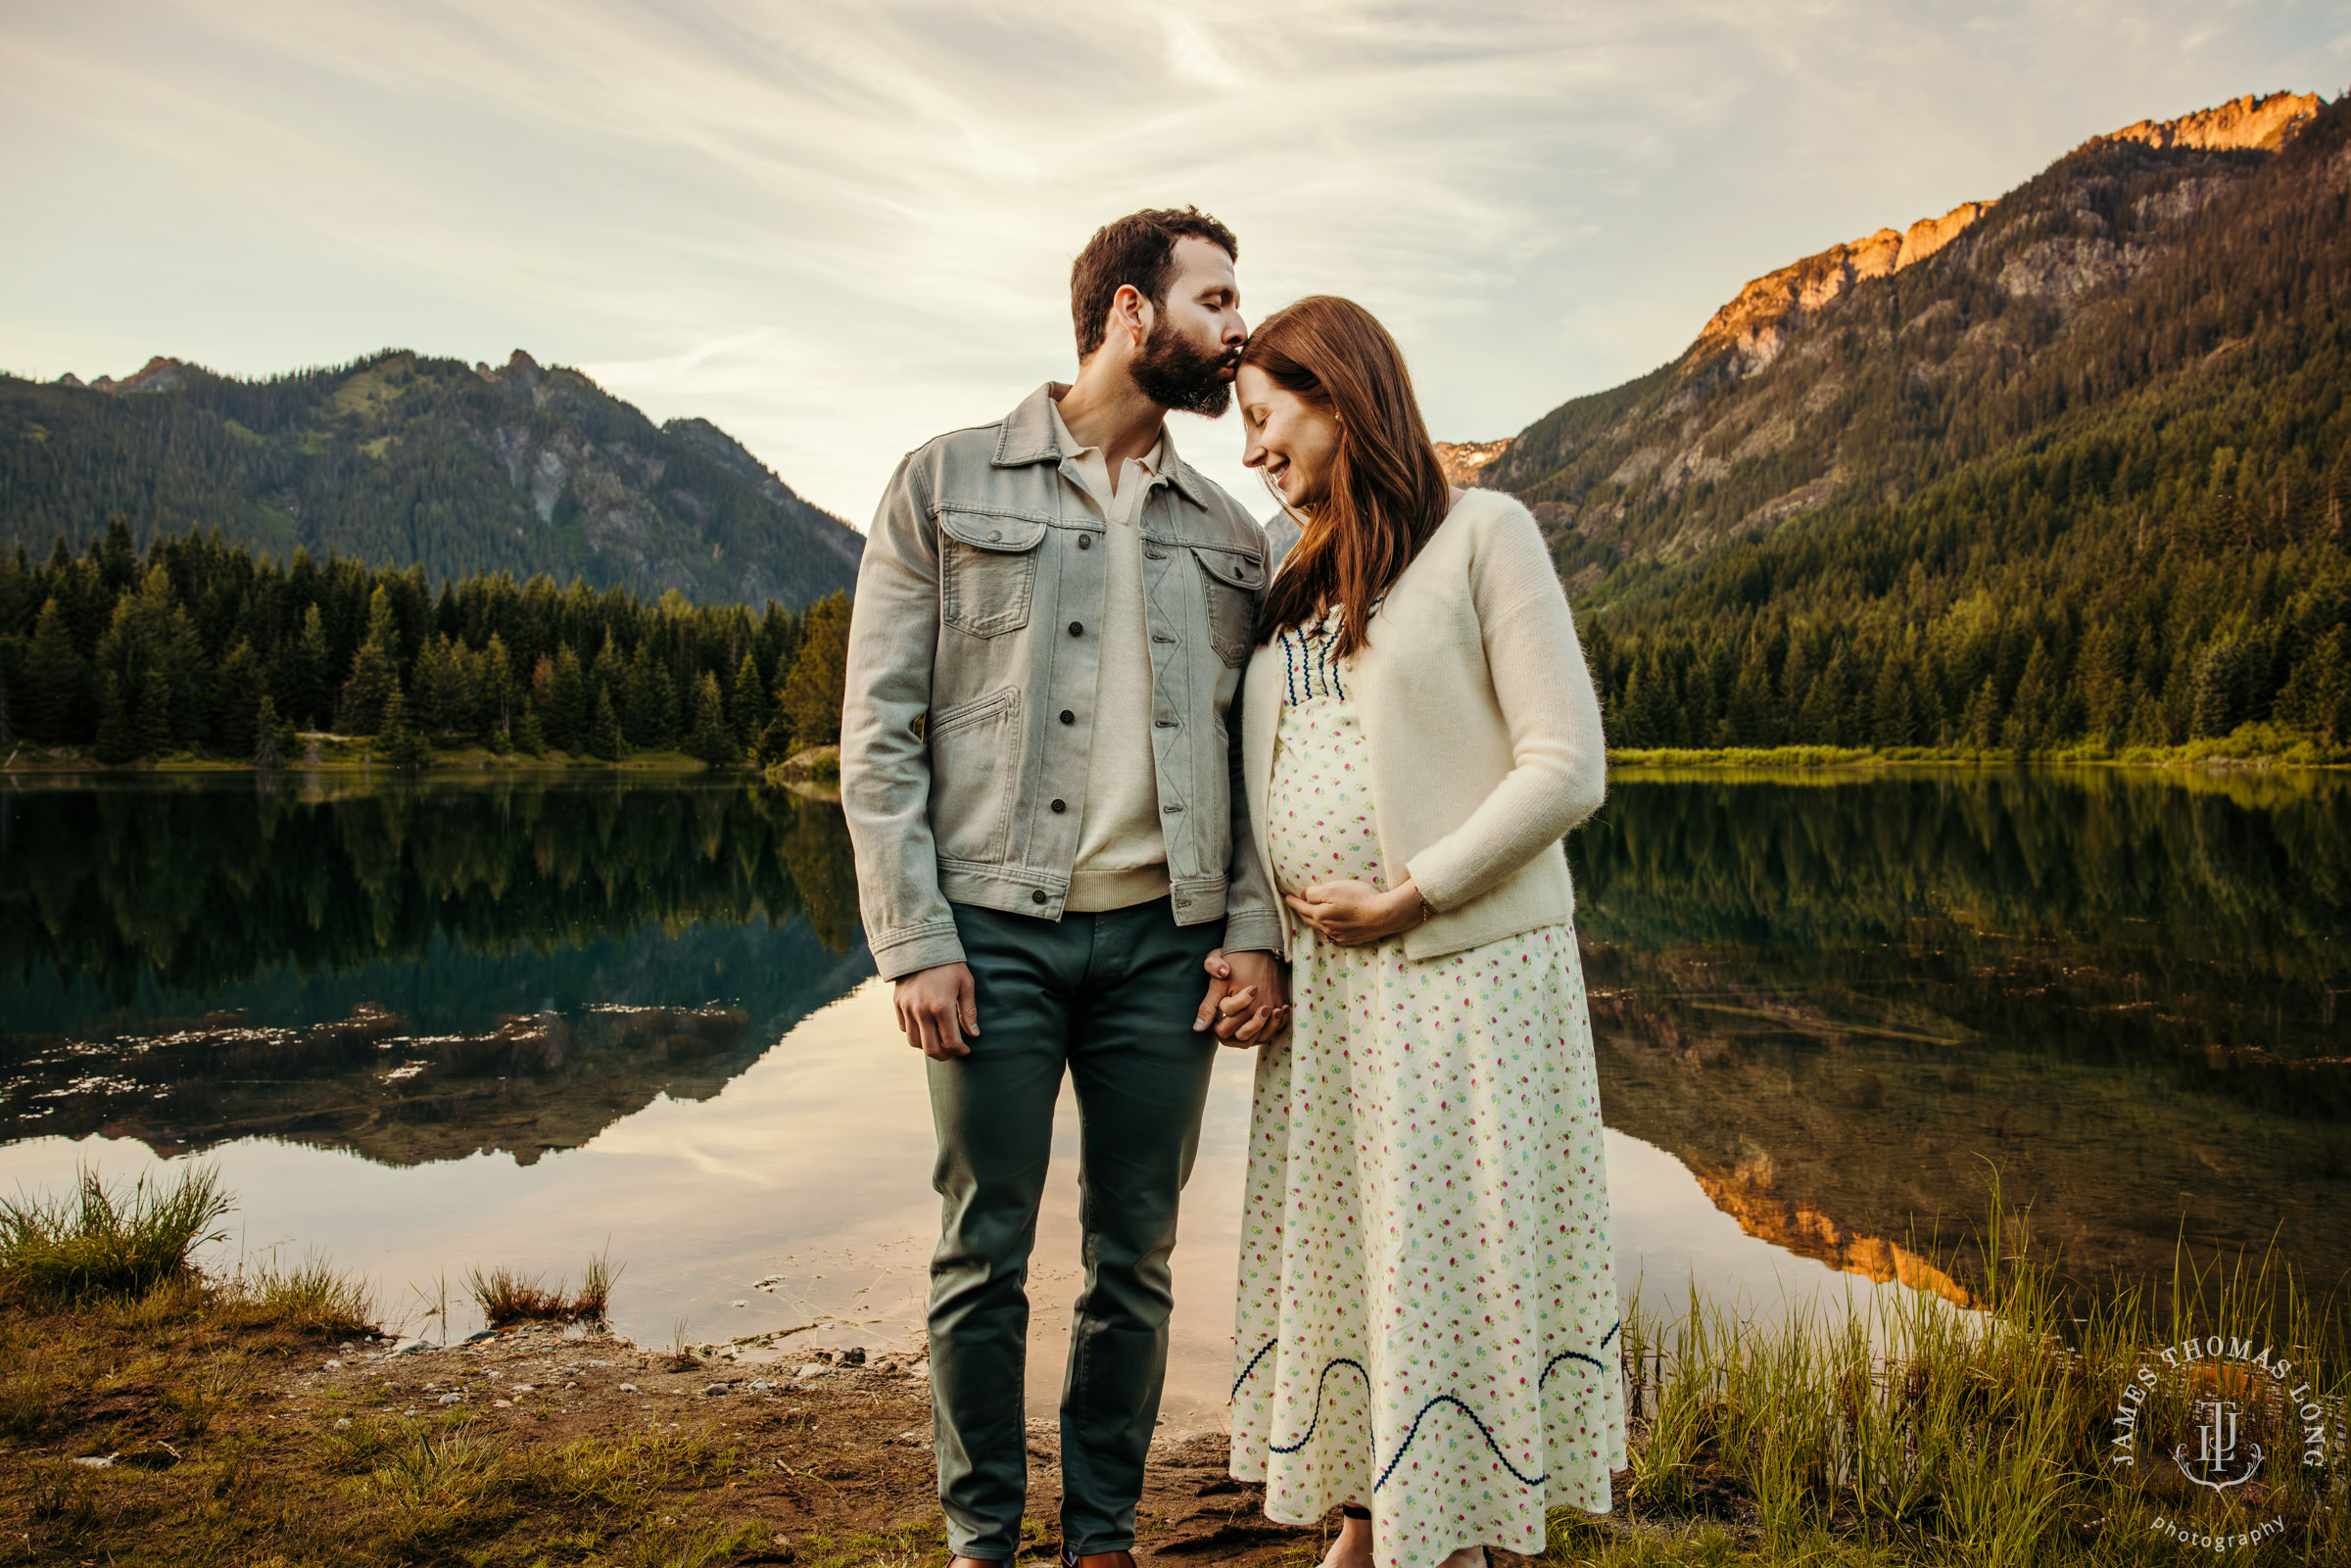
(1319, 825)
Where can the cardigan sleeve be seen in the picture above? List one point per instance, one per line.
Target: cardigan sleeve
(1558, 756)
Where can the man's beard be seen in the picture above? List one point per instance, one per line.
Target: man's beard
(1176, 375)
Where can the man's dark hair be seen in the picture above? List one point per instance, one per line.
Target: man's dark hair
(1137, 248)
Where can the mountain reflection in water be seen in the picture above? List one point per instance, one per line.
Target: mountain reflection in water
(1835, 999)
(412, 973)
(1841, 999)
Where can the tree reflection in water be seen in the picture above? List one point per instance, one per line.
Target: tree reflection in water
(413, 972)
(1832, 996)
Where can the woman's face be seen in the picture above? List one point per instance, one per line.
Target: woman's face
(1293, 440)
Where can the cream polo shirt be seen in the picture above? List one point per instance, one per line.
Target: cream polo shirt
(1122, 852)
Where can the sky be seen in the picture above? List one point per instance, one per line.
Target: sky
(837, 229)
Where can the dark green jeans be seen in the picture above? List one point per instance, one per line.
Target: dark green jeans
(1110, 997)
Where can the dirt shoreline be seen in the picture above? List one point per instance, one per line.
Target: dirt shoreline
(835, 1453)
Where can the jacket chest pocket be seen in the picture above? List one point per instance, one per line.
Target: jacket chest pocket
(986, 570)
(1231, 579)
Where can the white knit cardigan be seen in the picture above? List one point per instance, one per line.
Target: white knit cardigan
(1481, 730)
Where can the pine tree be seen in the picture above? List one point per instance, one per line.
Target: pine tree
(491, 694)
(306, 691)
(712, 740)
(117, 735)
(374, 677)
(404, 746)
(153, 728)
(56, 683)
(814, 689)
(266, 732)
(529, 738)
(236, 693)
(748, 707)
(570, 702)
(604, 739)
(775, 742)
(649, 707)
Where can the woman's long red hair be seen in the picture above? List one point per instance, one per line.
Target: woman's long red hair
(1386, 492)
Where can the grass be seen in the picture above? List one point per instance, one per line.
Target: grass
(2259, 746)
(1914, 1431)
(101, 1241)
(114, 1343)
(508, 1296)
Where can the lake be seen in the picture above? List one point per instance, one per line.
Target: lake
(431, 1028)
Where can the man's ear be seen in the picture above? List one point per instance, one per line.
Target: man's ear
(1131, 313)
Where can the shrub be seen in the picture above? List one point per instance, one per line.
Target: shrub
(100, 1243)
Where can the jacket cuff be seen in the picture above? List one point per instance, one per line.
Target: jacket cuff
(923, 947)
(1437, 877)
(1252, 931)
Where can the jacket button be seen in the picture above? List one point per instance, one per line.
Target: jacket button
(1038, 897)
(1157, 554)
(1061, 805)
(1076, 629)
(1086, 542)
(995, 534)
(1067, 717)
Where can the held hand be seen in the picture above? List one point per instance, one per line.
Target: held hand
(1247, 1001)
(1353, 913)
(937, 1008)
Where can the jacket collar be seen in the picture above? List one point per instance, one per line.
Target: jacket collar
(1027, 437)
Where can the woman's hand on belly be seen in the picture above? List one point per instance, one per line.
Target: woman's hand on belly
(1353, 913)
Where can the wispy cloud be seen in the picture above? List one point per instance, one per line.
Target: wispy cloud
(837, 229)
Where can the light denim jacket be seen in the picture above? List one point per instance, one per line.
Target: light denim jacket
(969, 715)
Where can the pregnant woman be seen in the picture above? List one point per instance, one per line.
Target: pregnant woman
(1426, 1325)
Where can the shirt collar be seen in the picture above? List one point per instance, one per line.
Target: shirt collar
(1028, 435)
(1152, 462)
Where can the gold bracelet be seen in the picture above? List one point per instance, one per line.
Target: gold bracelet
(1426, 914)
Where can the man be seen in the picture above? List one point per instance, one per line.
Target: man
(1040, 767)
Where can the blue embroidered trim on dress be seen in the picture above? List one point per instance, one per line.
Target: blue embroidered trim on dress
(1308, 670)
(1434, 1400)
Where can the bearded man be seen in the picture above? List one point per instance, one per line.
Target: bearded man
(1040, 768)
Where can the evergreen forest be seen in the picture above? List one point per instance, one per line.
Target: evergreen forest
(195, 647)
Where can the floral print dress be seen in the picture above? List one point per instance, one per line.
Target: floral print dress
(1427, 1319)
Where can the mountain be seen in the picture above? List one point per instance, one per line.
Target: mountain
(401, 460)
(2096, 426)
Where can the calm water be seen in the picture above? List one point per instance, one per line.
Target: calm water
(429, 1030)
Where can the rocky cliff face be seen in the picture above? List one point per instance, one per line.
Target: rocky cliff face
(1823, 381)
(1464, 460)
(2244, 124)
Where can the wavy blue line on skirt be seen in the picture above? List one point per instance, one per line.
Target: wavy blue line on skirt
(1577, 1355)
(1434, 1400)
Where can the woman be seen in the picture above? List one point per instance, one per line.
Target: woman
(1426, 1325)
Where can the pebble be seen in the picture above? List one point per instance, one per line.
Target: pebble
(332, 1366)
(854, 1355)
(342, 1423)
(524, 1387)
(811, 1373)
(739, 1304)
(628, 1388)
(759, 1385)
(98, 1461)
(411, 1346)
(452, 1399)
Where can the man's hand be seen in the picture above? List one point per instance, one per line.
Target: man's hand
(1352, 913)
(937, 1008)
(1247, 1000)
